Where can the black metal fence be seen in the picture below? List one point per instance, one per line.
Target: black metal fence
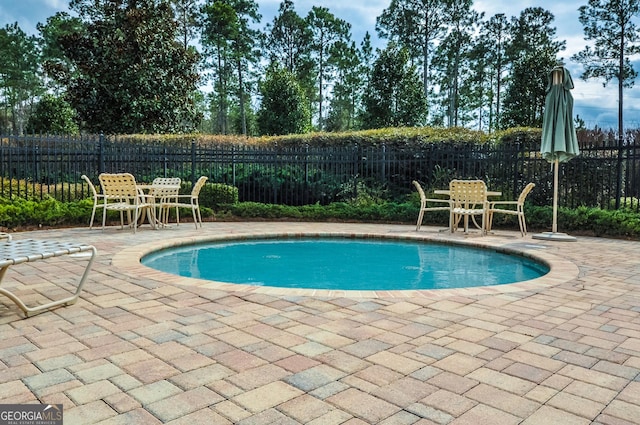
(602, 176)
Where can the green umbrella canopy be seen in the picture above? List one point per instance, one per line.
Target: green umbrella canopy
(559, 140)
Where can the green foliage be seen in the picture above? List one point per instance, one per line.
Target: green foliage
(34, 191)
(388, 212)
(19, 79)
(48, 212)
(346, 98)
(288, 45)
(52, 115)
(624, 223)
(528, 138)
(125, 71)
(453, 60)
(213, 195)
(532, 52)
(610, 24)
(327, 33)
(395, 94)
(357, 193)
(284, 108)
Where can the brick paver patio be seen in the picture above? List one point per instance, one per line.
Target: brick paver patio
(144, 347)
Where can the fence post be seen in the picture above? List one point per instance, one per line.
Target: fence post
(384, 162)
(101, 154)
(233, 165)
(275, 173)
(306, 163)
(358, 165)
(193, 162)
(619, 167)
(515, 170)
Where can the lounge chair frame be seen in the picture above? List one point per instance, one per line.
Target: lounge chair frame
(15, 252)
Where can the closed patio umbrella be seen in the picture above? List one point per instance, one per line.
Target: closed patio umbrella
(559, 140)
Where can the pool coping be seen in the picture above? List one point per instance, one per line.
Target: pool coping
(561, 270)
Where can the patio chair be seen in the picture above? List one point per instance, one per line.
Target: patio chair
(164, 190)
(506, 207)
(424, 207)
(468, 199)
(98, 199)
(168, 181)
(190, 201)
(122, 195)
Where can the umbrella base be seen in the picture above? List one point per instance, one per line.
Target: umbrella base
(554, 236)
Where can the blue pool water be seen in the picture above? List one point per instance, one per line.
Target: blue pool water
(346, 264)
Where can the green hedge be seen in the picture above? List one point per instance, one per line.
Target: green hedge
(20, 214)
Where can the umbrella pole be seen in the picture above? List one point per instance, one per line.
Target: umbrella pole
(554, 227)
(554, 235)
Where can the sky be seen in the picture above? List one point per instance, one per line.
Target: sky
(595, 104)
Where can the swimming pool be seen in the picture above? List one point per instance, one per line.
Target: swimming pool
(345, 264)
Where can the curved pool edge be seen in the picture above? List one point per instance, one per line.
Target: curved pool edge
(561, 270)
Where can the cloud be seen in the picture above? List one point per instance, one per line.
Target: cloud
(57, 4)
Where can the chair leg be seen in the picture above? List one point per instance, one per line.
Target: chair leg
(523, 225)
(135, 222)
(104, 217)
(195, 218)
(199, 215)
(93, 215)
(419, 223)
(453, 221)
(484, 223)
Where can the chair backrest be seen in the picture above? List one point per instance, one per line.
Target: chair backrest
(195, 192)
(94, 192)
(119, 186)
(467, 193)
(166, 187)
(423, 197)
(165, 192)
(525, 192)
(170, 181)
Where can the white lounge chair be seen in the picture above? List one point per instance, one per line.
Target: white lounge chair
(15, 252)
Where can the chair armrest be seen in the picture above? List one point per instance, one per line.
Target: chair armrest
(446, 201)
(492, 203)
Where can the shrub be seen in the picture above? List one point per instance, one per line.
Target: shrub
(213, 195)
(18, 212)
